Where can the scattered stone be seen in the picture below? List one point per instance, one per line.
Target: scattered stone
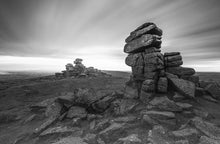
(207, 128)
(59, 130)
(76, 112)
(209, 98)
(163, 103)
(185, 87)
(178, 97)
(187, 132)
(207, 140)
(45, 125)
(160, 114)
(181, 142)
(90, 138)
(53, 110)
(123, 106)
(125, 119)
(202, 113)
(7, 117)
(70, 140)
(184, 105)
(131, 139)
(174, 63)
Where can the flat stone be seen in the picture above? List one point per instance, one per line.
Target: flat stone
(131, 139)
(114, 131)
(125, 119)
(214, 90)
(59, 130)
(187, 132)
(207, 128)
(174, 63)
(171, 54)
(149, 74)
(201, 113)
(160, 114)
(146, 118)
(185, 87)
(173, 58)
(70, 140)
(180, 71)
(76, 112)
(90, 138)
(162, 85)
(163, 103)
(178, 97)
(143, 42)
(207, 140)
(184, 105)
(209, 98)
(150, 29)
(102, 124)
(45, 125)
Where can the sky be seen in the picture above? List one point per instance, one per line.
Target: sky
(47, 34)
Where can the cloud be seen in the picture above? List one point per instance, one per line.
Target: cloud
(97, 28)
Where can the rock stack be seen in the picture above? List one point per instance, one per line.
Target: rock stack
(146, 60)
(79, 70)
(153, 72)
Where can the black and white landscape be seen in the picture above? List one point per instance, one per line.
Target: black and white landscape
(109, 72)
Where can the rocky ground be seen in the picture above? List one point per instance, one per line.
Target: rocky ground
(94, 111)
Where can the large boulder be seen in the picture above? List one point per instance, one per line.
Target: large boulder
(185, 87)
(143, 42)
(146, 28)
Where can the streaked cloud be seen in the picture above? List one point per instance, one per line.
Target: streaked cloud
(95, 30)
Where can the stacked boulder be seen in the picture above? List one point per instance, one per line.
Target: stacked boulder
(153, 72)
(147, 62)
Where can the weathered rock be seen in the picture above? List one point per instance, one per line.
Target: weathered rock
(132, 89)
(173, 58)
(136, 59)
(209, 98)
(158, 136)
(147, 29)
(171, 54)
(145, 97)
(70, 140)
(162, 85)
(174, 63)
(202, 113)
(125, 119)
(148, 85)
(207, 140)
(123, 106)
(41, 106)
(200, 92)
(143, 42)
(113, 132)
(54, 110)
(131, 139)
(185, 87)
(214, 90)
(159, 114)
(90, 138)
(152, 50)
(207, 128)
(178, 97)
(45, 125)
(203, 84)
(193, 78)
(180, 71)
(170, 75)
(138, 72)
(149, 120)
(181, 142)
(163, 103)
(76, 112)
(102, 124)
(187, 132)
(184, 105)
(59, 130)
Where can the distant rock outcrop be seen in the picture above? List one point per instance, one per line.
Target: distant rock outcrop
(79, 70)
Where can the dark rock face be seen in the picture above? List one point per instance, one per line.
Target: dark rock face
(181, 71)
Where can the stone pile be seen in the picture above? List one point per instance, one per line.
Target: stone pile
(153, 72)
(147, 62)
(79, 70)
